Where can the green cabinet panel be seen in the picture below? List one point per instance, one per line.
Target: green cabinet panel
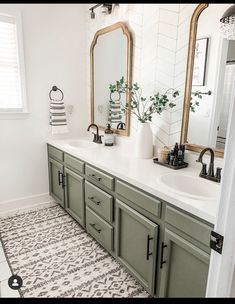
(100, 177)
(139, 198)
(189, 225)
(74, 163)
(74, 195)
(55, 153)
(99, 229)
(136, 244)
(55, 181)
(184, 273)
(100, 201)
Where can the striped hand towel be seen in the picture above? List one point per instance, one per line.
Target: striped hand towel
(58, 119)
(115, 113)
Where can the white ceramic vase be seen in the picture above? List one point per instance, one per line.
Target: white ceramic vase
(144, 141)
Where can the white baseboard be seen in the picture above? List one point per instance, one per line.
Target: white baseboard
(25, 202)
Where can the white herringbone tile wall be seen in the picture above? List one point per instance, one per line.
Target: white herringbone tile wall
(160, 37)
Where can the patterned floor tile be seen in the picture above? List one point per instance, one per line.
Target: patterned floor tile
(57, 258)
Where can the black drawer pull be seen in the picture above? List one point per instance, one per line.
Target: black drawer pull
(148, 241)
(162, 250)
(63, 180)
(94, 227)
(60, 178)
(91, 198)
(95, 177)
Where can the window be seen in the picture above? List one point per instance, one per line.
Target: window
(12, 95)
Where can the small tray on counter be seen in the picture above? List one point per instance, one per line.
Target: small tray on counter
(184, 165)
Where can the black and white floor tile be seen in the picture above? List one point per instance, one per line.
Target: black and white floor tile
(55, 257)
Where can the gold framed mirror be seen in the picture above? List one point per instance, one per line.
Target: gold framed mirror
(204, 121)
(110, 58)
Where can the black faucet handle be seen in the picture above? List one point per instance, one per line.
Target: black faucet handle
(211, 170)
(99, 140)
(203, 172)
(95, 137)
(218, 173)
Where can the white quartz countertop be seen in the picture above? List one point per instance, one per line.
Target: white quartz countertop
(142, 173)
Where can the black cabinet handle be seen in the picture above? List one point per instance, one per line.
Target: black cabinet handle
(148, 241)
(60, 181)
(63, 181)
(162, 251)
(94, 227)
(95, 177)
(91, 198)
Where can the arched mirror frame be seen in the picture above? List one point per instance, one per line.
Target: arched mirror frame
(128, 34)
(188, 84)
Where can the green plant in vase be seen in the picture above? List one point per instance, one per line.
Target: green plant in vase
(143, 109)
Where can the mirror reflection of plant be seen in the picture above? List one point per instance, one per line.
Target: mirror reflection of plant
(198, 95)
(143, 108)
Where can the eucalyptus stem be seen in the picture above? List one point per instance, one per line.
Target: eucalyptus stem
(151, 105)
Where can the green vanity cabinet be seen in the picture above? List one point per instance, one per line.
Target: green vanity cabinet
(184, 268)
(74, 195)
(185, 255)
(66, 182)
(56, 171)
(164, 247)
(136, 244)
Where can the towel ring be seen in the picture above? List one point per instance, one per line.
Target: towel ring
(54, 88)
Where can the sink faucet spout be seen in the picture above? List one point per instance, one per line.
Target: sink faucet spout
(97, 137)
(210, 174)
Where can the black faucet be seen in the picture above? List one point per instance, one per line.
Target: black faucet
(97, 137)
(121, 126)
(210, 174)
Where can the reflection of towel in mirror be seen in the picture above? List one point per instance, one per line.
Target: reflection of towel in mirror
(58, 119)
(115, 113)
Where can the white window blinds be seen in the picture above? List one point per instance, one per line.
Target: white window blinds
(10, 82)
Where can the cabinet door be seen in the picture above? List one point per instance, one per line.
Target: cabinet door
(74, 195)
(56, 181)
(184, 268)
(136, 243)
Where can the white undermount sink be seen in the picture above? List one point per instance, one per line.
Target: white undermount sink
(193, 187)
(82, 143)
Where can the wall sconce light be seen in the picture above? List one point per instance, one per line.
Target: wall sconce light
(106, 8)
(227, 26)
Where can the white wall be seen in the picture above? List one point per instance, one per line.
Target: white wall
(54, 42)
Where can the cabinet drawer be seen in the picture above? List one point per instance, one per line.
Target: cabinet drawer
(100, 201)
(99, 228)
(55, 153)
(74, 163)
(100, 177)
(139, 198)
(189, 225)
